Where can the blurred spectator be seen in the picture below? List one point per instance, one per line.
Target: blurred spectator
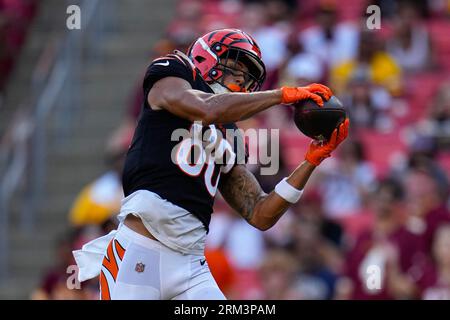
(331, 41)
(310, 210)
(185, 26)
(437, 283)
(270, 30)
(281, 234)
(277, 274)
(219, 15)
(101, 199)
(303, 69)
(434, 8)
(55, 284)
(367, 104)
(317, 252)
(437, 124)
(216, 252)
(346, 181)
(391, 248)
(269, 181)
(52, 276)
(422, 157)
(440, 116)
(426, 205)
(387, 7)
(235, 251)
(244, 245)
(410, 46)
(372, 60)
(390, 8)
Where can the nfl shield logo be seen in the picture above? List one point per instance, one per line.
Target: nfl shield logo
(139, 267)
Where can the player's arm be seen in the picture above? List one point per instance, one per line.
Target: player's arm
(177, 96)
(244, 194)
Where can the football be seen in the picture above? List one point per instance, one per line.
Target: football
(319, 122)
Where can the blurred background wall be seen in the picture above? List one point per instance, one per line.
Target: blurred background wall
(63, 93)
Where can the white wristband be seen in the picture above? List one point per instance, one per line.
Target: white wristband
(288, 192)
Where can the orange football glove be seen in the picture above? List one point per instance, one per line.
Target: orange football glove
(318, 152)
(294, 94)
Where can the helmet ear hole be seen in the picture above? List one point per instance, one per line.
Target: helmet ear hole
(199, 59)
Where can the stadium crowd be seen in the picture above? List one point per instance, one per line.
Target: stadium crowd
(382, 200)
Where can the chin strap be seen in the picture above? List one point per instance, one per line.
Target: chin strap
(218, 88)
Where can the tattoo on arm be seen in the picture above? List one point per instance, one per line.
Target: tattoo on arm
(241, 190)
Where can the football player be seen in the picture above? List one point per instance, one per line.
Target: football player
(158, 250)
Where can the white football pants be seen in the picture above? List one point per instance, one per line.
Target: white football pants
(138, 268)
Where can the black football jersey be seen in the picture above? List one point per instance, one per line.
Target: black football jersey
(149, 165)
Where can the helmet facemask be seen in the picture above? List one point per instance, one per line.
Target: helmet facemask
(253, 78)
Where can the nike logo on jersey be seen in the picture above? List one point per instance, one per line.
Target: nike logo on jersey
(202, 262)
(162, 64)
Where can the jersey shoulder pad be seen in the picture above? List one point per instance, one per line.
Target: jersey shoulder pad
(171, 65)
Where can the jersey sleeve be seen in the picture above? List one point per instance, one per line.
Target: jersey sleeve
(168, 66)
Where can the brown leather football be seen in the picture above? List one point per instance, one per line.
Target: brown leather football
(319, 122)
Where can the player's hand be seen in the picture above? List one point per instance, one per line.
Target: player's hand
(314, 91)
(320, 151)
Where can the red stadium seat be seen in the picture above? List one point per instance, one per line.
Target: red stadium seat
(419, 92)
(444, 160)
(383, 150)
(294, 146)
(351, 9)
(247, 284)
(356, 223)
(439, 31)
